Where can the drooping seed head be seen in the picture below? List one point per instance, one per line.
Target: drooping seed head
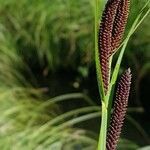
(120, 107)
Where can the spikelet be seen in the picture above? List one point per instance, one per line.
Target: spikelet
(120, 107)
(111, 30)
(119, 24)
(105, 31)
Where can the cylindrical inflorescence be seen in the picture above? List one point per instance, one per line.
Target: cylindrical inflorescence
(120, 107)
(105, 33)
(119, 24)
(114, 19)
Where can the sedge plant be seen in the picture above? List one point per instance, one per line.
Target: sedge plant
(108, 40)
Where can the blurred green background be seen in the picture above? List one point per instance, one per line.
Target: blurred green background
(48, 89)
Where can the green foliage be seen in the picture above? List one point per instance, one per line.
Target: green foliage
(26, 122)
(53, 31)
(145, 148)
(48, 35)
(126, 145)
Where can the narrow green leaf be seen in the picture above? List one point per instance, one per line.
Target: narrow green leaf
(97, 61)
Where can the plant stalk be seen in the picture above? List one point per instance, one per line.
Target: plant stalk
(103, 129)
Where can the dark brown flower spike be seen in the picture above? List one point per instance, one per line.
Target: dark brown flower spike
(111, 30)
(105, 34)
(120, 107)
(119, 24)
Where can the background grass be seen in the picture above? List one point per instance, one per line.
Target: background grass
(47, 49)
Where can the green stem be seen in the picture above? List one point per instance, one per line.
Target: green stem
(103, 129)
